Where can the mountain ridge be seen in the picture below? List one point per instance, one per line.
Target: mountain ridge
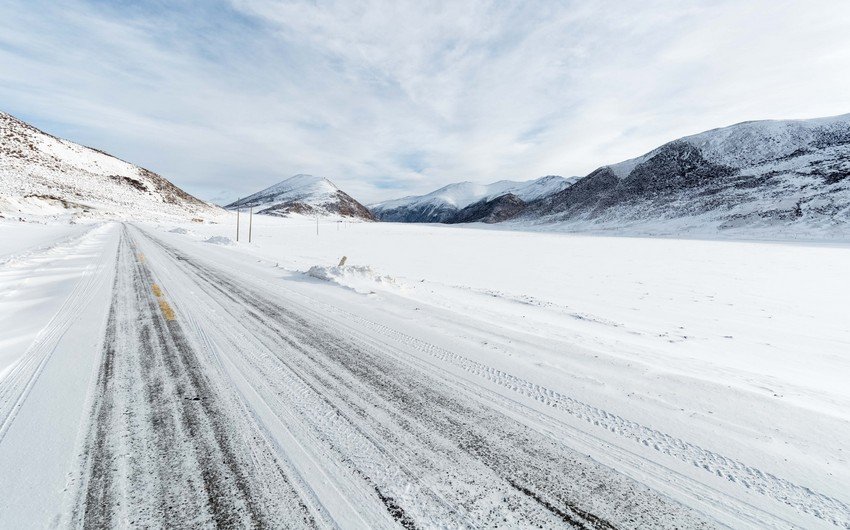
(762, 175)
(443, 205)
(759, 175)
(42, 174)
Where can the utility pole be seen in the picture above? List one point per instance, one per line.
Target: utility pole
(237, 219)
(250, 221)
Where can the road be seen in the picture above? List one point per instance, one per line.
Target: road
(221, 401)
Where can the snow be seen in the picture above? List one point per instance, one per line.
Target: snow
(41, 267)
(18, 239)
(53, 306)
(219, 240)
(361, 278)
(736, 346)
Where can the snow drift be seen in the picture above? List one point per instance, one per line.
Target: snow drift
(361, 278)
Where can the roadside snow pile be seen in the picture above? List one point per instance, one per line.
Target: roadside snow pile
(361, 278)
(180, 230)
(219, 240)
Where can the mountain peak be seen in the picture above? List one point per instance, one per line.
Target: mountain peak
(772, 176)
(303, 179)
(306, 195)
(443, 204)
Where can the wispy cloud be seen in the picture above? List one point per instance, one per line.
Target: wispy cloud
(391, 97)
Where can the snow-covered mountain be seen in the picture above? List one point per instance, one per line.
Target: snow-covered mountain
(306, 195)
(43, 175)
(771, 176)
(761, 177)
(445, 204)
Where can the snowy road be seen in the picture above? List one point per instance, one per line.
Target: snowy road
(216, 399)
(164, 448)
(371, 440)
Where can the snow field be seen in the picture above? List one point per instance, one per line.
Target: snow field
(711, 371)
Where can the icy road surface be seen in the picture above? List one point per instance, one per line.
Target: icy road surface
(172, 389)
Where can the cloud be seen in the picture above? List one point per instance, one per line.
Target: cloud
(391, 97)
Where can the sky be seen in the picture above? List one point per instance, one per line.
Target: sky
(390, 98)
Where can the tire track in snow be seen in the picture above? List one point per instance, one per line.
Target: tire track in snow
(801, 498)
(163, 450)
(351, 378)
(23, 376)
(39, 250)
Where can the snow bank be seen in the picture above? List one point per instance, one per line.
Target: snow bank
(19, 240)
(219, 240)
(181, 230)
(361, 278)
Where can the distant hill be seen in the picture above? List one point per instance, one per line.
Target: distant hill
(43, 175)
(772, 176)
(762, 177)
(304, 195)
(445, 204)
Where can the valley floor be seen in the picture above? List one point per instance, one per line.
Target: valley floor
(443, 377)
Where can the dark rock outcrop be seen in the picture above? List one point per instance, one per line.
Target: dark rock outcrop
(495, 210)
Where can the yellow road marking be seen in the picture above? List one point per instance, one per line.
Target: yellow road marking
(167, 312)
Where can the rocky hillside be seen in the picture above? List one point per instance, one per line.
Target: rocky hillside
(501, 208)
(467, 201)
(769, 178)
(41, 175)
(772, 176)
(304, 195)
